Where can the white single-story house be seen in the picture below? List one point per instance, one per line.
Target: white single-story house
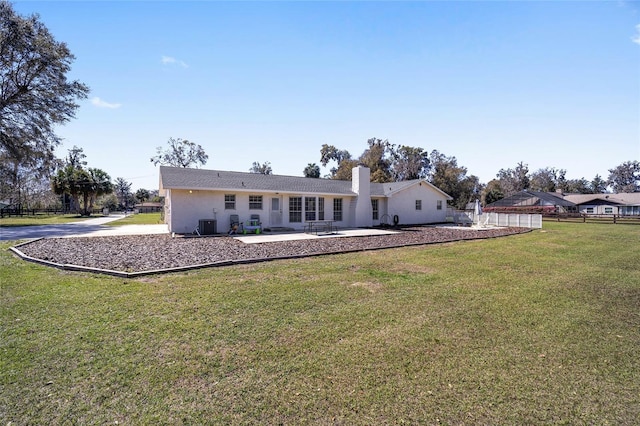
(622, 204)
(192, 195)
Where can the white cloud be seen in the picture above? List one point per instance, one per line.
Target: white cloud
(636, 38)
(169, 60)
(103, 104)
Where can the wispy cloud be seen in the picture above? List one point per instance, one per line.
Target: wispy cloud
(169, 60)
(636, 38)
(104, 104)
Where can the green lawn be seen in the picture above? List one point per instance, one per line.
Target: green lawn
(40, 219)
(137, 219)
(538, 328)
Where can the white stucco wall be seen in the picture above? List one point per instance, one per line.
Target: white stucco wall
(403, 204)
(184, 209)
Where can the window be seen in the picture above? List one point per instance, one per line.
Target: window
(229, 202)
(320, 208)
(309, 208)
(608, 210)
(589, 210)
(439, 205)
(337, 209)
(374, 209)
(295, 209)
(255, 202)
(418, 204)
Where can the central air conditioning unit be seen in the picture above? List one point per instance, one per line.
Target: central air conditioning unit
(207, 226)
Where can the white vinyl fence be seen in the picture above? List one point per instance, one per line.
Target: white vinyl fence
(512, 219)
(467, 218)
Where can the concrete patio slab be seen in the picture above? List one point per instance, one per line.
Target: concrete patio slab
(294, 236)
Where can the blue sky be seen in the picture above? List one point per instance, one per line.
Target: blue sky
(552, 84)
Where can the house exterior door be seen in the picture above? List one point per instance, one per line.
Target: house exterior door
(275, 216)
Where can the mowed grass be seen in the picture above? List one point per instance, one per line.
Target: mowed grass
(539, 328)
(40, 219)
(137, 219)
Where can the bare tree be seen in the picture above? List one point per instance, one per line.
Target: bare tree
(181, 153)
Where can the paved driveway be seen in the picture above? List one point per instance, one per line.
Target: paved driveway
(87, 228)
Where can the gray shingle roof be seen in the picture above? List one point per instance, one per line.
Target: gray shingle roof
(627, 198)
(185, 178)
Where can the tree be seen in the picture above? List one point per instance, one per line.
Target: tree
(386, 161)
(181, 153)
(625, 177)
(514, 180)
(330, 153)
(99, 184)
(376, 157)
(312, 170)
(78, 182)
(577, 186)
(449, 177)
(492, 192)
(35, 95)
(122, 188)
(598, 185)
(548, 179)
(142, 195)
(263, 169)
(409, 163)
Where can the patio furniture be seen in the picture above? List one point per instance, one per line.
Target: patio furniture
(253, 224)
(234, 224)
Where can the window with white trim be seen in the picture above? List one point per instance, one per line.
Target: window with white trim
(309, 208)
(418, 204)
(295, 209)
(320, 208)
(337, 209)
(439, 205)
(608, 210)
(374, 209)
(229, 201)
(255, 202)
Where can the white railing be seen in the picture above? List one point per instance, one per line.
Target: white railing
(467, 218)
(513, 219)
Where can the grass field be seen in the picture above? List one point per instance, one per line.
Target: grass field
(137, 219)
(539, 328)
(40, 219)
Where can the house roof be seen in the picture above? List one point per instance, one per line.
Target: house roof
(627, 198)
(186, 178)
(532, 198)
(390, 188)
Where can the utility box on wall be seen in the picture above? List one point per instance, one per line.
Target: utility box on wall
(207, 226)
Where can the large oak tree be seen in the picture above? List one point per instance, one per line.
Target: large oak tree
(35, 94)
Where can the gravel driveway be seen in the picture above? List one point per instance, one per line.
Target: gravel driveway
(140, 253)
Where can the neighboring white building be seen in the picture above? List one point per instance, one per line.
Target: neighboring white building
(623, 204)
(192, 195)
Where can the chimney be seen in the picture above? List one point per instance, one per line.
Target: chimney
(361, 185)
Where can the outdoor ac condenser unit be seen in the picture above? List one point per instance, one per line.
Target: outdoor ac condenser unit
(207, 226)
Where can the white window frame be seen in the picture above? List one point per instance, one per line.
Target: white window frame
(295, 214)
(418, 204)
(337, 209)
(229, 201)
(255, 202)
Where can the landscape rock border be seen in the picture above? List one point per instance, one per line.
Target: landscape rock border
(134, 256)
